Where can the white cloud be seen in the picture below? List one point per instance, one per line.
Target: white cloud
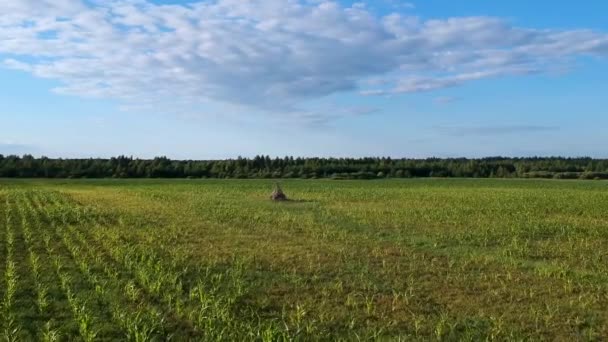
(9, 147)
(444, 100)
(268, 55)
(493, 130)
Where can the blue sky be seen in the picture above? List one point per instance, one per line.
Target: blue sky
(306, 78)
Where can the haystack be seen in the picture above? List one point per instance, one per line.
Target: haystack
(278, 194)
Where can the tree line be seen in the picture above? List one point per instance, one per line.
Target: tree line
(28, 166)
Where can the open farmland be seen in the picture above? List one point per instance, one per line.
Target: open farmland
(216, 260)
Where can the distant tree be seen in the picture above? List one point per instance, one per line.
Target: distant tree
(289, 167)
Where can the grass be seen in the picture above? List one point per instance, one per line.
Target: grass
(145, 260)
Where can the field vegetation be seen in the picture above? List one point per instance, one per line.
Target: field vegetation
(459, 259)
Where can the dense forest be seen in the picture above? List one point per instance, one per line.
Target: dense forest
(337, 168)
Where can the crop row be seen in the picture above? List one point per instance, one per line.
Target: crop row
(74, 277)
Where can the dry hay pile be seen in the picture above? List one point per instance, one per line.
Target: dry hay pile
(278, 194)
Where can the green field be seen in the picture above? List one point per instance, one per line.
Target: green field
(352, 260)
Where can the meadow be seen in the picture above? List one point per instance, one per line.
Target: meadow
(431, 259)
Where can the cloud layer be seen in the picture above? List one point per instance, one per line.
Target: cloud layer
(493, 130)
(267, 54)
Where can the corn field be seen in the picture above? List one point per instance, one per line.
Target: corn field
(354, 260)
